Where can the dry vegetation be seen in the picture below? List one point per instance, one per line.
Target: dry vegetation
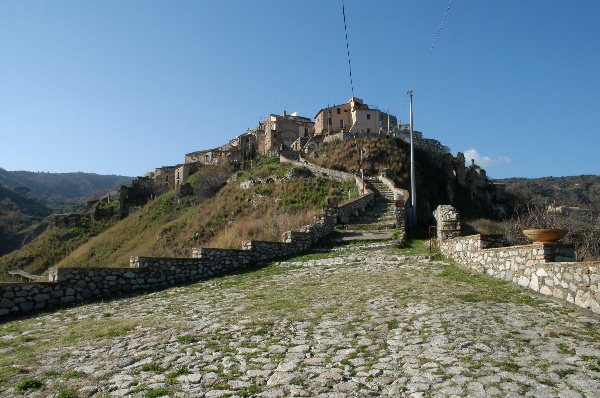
(268, 227)
(378, 155)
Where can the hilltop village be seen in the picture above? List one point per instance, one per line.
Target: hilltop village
(300, 136)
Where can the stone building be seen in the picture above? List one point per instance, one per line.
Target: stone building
(242, 147)
(570, 211)
(208, 156)
(280, 132)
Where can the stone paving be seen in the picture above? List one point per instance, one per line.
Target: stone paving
(362, 324)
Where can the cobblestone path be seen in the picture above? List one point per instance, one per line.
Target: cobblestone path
(367, 324)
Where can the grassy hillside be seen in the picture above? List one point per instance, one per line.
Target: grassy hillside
(19, 211)
(27, 198)
(170, 225)
(51, 244)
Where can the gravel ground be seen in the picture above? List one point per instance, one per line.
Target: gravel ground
(362, 324)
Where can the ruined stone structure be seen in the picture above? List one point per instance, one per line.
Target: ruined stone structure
(209, 156)
(281, 131)
(481, 189)
(547, 268)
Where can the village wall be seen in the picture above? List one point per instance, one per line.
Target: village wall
(547, 268)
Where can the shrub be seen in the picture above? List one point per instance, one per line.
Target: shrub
(29, 384)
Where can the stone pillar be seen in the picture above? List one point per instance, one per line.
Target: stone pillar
(448, 222)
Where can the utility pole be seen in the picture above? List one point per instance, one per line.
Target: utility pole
(388, 129)
(412, 217)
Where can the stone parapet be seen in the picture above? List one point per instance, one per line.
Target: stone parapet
(547, 268)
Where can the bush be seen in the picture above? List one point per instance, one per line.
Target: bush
(29, 384)
(483, 226)
(530, 216)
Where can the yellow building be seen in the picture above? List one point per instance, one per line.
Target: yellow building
(351, 117)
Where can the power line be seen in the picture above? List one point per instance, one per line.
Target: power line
(433, 45)
(348, 49)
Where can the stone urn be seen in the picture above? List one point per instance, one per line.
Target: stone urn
(545, 235)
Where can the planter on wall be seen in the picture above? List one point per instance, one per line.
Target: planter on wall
(545, 235)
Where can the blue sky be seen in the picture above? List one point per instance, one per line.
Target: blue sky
(124, 87)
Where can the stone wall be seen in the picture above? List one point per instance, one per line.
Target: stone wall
(547, 268)
(350, 136)
(318, 170)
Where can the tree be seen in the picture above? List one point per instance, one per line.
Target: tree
(21, 190)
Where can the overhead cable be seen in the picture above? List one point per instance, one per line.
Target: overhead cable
(433, 45)
(348, 49)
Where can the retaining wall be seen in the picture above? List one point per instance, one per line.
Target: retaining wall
(547, 268)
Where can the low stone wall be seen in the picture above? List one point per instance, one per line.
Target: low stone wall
(318, 170)
(69, 285)
(351, 136)
(546, 268)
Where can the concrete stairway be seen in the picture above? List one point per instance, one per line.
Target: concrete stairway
(372, 230)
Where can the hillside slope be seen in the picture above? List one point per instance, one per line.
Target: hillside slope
(27, 198)
(171, 225)
(20, 215)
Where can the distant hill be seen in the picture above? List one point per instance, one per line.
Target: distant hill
(27, 198)
(579, 191)
(20, 213)
(63, 186)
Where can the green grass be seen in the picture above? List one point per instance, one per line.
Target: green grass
(29, 384)
(51, 247)
(186, 339)
(393, 324)
(152, 367)
(509, 366)
(179, 371)
(158, 392)
(170, 226)
(487, 288)
(417, 247)
(565, 372)
(68, 393)
(74, 374)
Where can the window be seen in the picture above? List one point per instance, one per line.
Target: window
(368, 131)
(338, 111)
(368, 116)
(341, 124)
